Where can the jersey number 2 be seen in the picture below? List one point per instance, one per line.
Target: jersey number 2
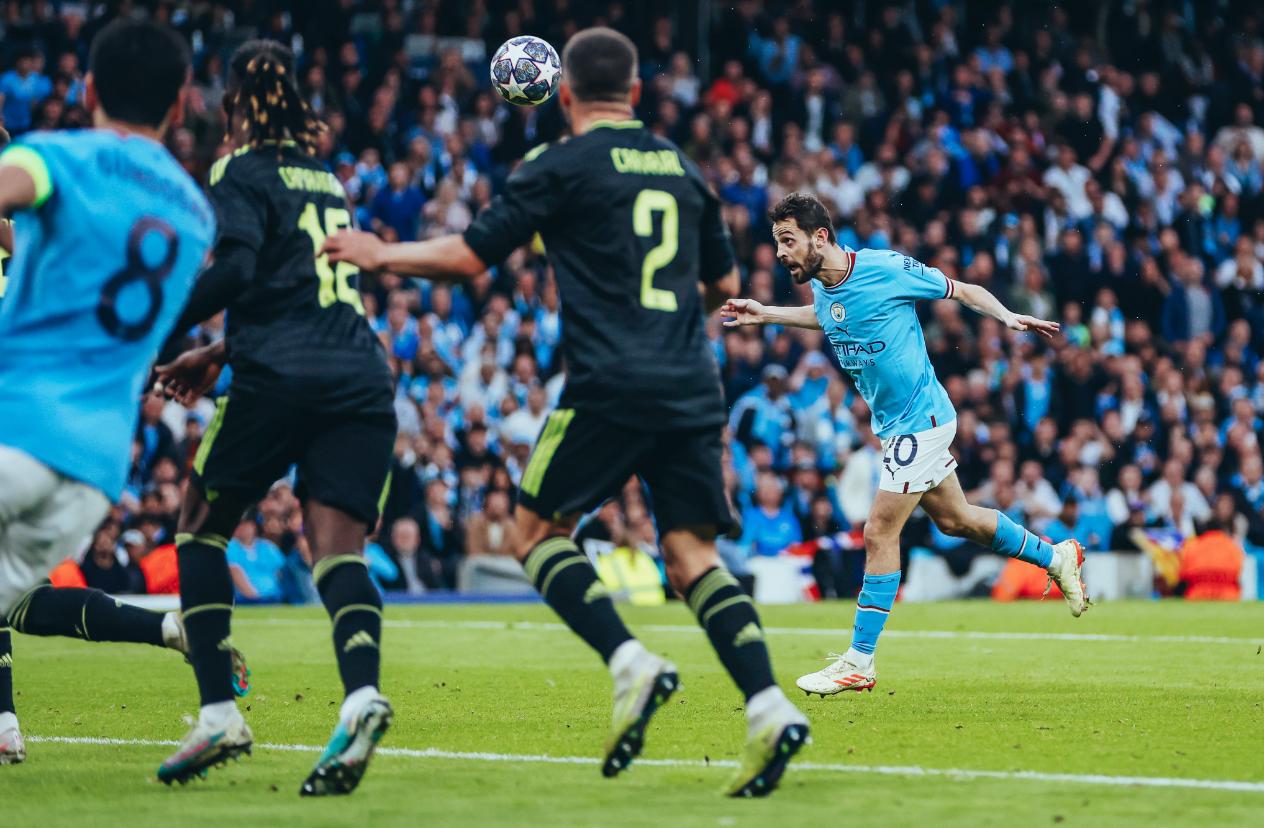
(334, 284)
(647, 203)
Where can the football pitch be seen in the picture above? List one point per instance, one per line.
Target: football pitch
(984, 714)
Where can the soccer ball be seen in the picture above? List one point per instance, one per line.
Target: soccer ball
(526, 71)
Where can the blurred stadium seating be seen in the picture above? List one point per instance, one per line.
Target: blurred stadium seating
(1097, 163)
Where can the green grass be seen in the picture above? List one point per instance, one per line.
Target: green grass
(1125, 708)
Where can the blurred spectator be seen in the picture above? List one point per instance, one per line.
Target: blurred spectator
(108, 566)
(22, 88)
(255, 563)
(769, 525)
(492, 531)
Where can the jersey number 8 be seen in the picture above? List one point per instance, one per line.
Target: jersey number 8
(334, 283)
(138, 270)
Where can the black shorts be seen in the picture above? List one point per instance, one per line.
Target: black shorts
(343, 452)
(581, 459)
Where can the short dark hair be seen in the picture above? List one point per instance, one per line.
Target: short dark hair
(599, 65)
(138, 68)
(807, 211)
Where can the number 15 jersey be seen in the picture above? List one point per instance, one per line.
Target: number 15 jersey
(105, 259)
(299, 327)
(630, 229)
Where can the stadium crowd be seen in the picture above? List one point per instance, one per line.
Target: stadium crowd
(1094, 163)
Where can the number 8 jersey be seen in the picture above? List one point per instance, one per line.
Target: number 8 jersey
(299, 326)
(630, 228)
(104, 262)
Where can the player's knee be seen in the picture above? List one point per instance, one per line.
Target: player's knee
(879, 533)
(683, 570)
(534, 530)
(954, 525)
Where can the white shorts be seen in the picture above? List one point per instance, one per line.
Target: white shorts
(44, 517)
(915, 463)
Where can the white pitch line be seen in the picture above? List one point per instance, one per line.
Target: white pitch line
(548, 626)
(1233, 785)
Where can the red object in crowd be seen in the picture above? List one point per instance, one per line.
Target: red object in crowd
(1020, 580)
(67, 574)
(1211, 567)
(162, 575)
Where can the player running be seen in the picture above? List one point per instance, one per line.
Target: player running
(864, 301)
(310, 387)
(112, 232)
(631, 229)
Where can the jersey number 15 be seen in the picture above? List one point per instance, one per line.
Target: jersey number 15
(335, 285)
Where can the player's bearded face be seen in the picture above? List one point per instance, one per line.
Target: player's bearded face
(799, 254)
(812, 260)
(802, 257)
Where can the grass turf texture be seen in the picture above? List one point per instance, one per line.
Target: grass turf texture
(1143, 707)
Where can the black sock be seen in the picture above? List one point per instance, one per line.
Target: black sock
(355, 608)
(729, 617)
(88, 614)
(206, 601)
(6, 668)
(569, 584)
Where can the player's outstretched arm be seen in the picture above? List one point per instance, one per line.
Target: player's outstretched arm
(980, 300)
(740, 312)
(447, 258)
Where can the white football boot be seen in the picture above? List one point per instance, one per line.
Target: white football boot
(12, 748)
(847, 672)
(1065, 571)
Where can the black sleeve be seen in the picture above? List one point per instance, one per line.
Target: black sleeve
(241, 204)
(715, 247)
(531, 196)
(228, 275)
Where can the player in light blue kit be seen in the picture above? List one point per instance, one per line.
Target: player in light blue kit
(864, 301)
(110, 234)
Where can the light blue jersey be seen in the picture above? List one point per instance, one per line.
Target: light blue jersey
(103, 266)
(871, 320)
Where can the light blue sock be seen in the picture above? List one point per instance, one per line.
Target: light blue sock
(872, 608)
(1017, 542)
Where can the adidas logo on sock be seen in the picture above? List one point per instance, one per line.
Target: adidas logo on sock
(596, 592)
(225, 645)
(360, 639)
(748, 635)
(6, 660)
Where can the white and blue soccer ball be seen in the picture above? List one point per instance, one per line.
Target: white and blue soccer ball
(526, 70)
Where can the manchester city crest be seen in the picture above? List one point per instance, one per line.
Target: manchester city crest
(836, 311)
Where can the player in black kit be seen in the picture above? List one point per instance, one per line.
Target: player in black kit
(640, 253)
(310, 386)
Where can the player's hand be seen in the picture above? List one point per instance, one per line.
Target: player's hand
(364, 250)
(189, 376)
(738, 312)
(1030, 323)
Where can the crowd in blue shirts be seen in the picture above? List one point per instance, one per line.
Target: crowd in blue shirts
(1101, 170)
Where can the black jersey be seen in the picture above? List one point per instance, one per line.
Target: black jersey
(630, 228)
(300, 323)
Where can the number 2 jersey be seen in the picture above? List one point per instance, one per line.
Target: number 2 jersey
(104, 262)
(299, 327)
(870, 318)
(630, 229)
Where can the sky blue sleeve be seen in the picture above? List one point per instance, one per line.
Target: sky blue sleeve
(914, 280)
